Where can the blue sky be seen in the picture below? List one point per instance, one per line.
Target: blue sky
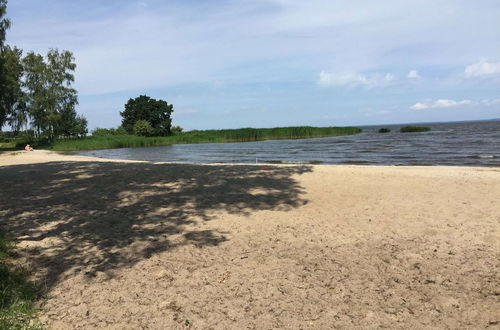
(265, 63)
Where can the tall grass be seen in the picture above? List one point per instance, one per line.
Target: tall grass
(17, 294)
(206, 136)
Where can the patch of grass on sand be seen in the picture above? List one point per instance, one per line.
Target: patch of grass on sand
(206, 136)
(7, 145)
(414, 129)
(17, 294)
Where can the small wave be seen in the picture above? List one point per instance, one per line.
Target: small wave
(355, 162)
(483, 156)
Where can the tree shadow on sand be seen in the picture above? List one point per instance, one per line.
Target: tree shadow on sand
(90, 217)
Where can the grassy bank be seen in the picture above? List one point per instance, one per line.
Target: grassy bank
(17, 294)
(207, 136)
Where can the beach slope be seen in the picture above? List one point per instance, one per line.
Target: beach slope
(128, 245)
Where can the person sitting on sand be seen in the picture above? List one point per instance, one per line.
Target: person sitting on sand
(28, 148)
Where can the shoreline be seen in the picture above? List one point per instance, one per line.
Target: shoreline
(124, 244)
(43, 155)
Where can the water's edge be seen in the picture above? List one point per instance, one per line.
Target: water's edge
(459, 144)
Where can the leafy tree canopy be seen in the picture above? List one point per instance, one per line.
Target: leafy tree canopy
(11, 71)
(5, 61)
(156, 112)
(49, 97)
(37, 90)
(4, 22)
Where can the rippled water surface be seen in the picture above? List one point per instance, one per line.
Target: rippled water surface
(465, 143)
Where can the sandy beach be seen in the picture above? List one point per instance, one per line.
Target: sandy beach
(135, 245)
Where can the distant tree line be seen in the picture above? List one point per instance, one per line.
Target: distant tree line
(36, 92)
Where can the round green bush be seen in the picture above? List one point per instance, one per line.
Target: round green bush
(143, 128)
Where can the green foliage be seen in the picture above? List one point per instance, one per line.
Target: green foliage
(109, 131)
(71, 125)
(49, 98)
(256, 134)
(37, 90)
(384, 130)
(24, 138)
(414, 129)
(80, 126)
(176, 130)
(11, 70)
(156, 112)
(17, 294)
(4, 22)
(143, 128)
(208, 136)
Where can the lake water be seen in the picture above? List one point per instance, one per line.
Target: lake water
(459, 143)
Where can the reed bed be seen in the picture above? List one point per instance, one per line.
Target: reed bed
(206, 136)
(414, 129)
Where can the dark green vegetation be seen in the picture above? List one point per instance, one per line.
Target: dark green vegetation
(105, 141)
(100, 140)
(17, 294)
(36, 90)
(384, 130)
(414, 129)
(145, 116)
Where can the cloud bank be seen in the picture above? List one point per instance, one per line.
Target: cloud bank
(331, 57)
(447, 103)
(355, 79)
(482, 69)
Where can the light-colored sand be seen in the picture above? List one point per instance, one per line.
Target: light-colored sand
(129, 245)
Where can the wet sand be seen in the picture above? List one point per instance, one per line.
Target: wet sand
(129, 245)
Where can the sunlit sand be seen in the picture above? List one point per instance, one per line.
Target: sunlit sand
(124, 245)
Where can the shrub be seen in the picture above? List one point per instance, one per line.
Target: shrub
(176, 130)
(120, 130)
(384, 130)
(100, 132)
(27, 137)
(414, 129)
(109, 131)
(143, 128)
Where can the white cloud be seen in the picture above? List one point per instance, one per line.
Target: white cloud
(419, 106)
(355, 79)
(441, 103)
(413, 74)
(124, 48)
(482, 69)
(490, 102)
(176, 42)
